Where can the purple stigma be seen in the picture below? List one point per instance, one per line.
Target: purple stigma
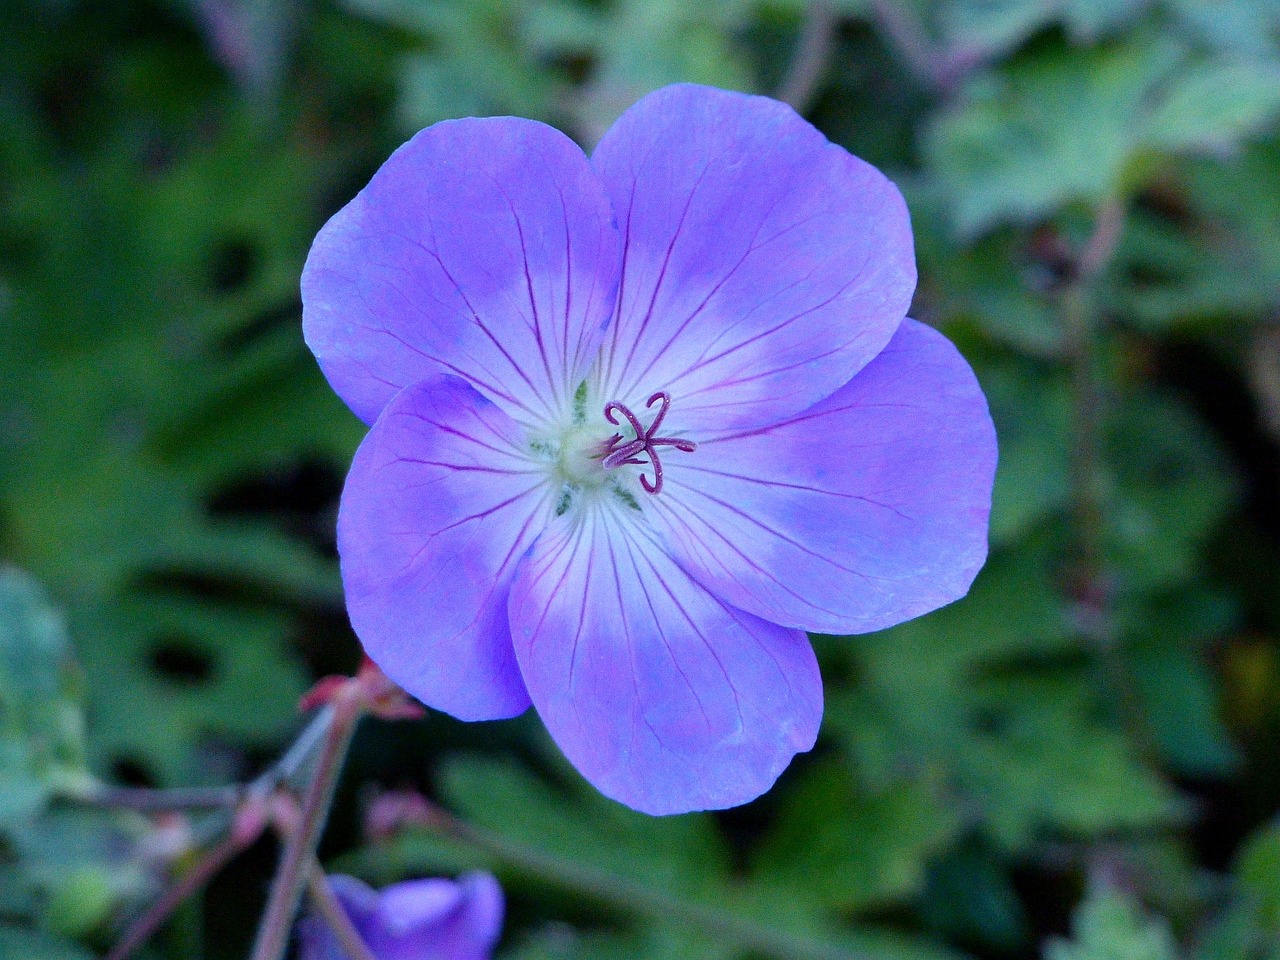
(645, 443)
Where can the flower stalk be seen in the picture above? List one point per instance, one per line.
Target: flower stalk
(1093, 587)
(330, 910)
(299, 852)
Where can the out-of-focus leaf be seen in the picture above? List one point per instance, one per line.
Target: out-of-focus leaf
(1215, 104)
(1110, 926)
(647, 44)
(1032, 413)
(181, 672)
(677, 854)
(122, 434)
(970, 897)
(1170, 487)
(1258, 872)
(994, 26)
(1069, 125)
(41, 722)
(78, 866)
(1041, 760)
(641, 866)
(1044, 131)
(1248, 27)
(1249, 926)
(22, 944)
(1177, 690)
(851, 849)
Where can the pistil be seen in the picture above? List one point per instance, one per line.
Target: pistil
(619, 452)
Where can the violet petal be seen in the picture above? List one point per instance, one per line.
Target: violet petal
(763, 265)
(441, 502)
(483, 248)
(662, 696)
(866, 510)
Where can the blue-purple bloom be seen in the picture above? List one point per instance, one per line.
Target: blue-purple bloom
(434, 919)
(639, 421)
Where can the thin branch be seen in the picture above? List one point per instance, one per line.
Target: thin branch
(291, 875)
(292, 761)
(809, 62)
(904, 29)
(331, 911)
(152, 800)
(213, 860)
(941, 70)
(149, 800)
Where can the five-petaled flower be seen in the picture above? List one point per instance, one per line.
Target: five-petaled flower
(434, 919)
(517, 321)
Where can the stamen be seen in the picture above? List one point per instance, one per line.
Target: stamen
(645, 443)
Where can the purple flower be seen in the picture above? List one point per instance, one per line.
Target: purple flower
(639, 422)
(416, 920)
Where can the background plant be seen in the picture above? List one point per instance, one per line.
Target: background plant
(1077, 761)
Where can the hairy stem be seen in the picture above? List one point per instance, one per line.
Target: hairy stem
(194, 880)
(330, 910)
(299, 851)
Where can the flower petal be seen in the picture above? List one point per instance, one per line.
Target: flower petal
(483, 248)
(438, 918)
(763, 265)
(359, 901)
(866, 510)
(665, 698)
(439, 505)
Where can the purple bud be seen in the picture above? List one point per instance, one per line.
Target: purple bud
(433, 919)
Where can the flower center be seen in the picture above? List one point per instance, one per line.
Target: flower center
(646, 442)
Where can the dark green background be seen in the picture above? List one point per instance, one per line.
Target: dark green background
(1077, 761)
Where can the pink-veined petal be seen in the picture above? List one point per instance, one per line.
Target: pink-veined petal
(662, 696)
(441, 502)
(483, 248)
(866, 510)
(762, 267)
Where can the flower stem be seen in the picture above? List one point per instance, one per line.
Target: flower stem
(299, 852)
(809, 62)
(150, 800)
(1082, 321)
(209, 864)
(634, 897)
(331, 912)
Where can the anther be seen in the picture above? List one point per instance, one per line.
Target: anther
(645, 443)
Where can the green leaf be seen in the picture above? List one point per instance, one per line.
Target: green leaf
(41, 722)
(1067, 126)
(970, 897)
(1041, 760)
(1245, 27)
(1032, 413)
(850, 849)
(676, 854)
(1164, 638)
(1110, 926)
(1045, 131)
(1258, 872)
(1169, 486)
(17, 942)
(670, 876)
(996, 26)
(172, 669)
(1216, 104)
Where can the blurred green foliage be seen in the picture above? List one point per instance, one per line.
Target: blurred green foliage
(1077, 761)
